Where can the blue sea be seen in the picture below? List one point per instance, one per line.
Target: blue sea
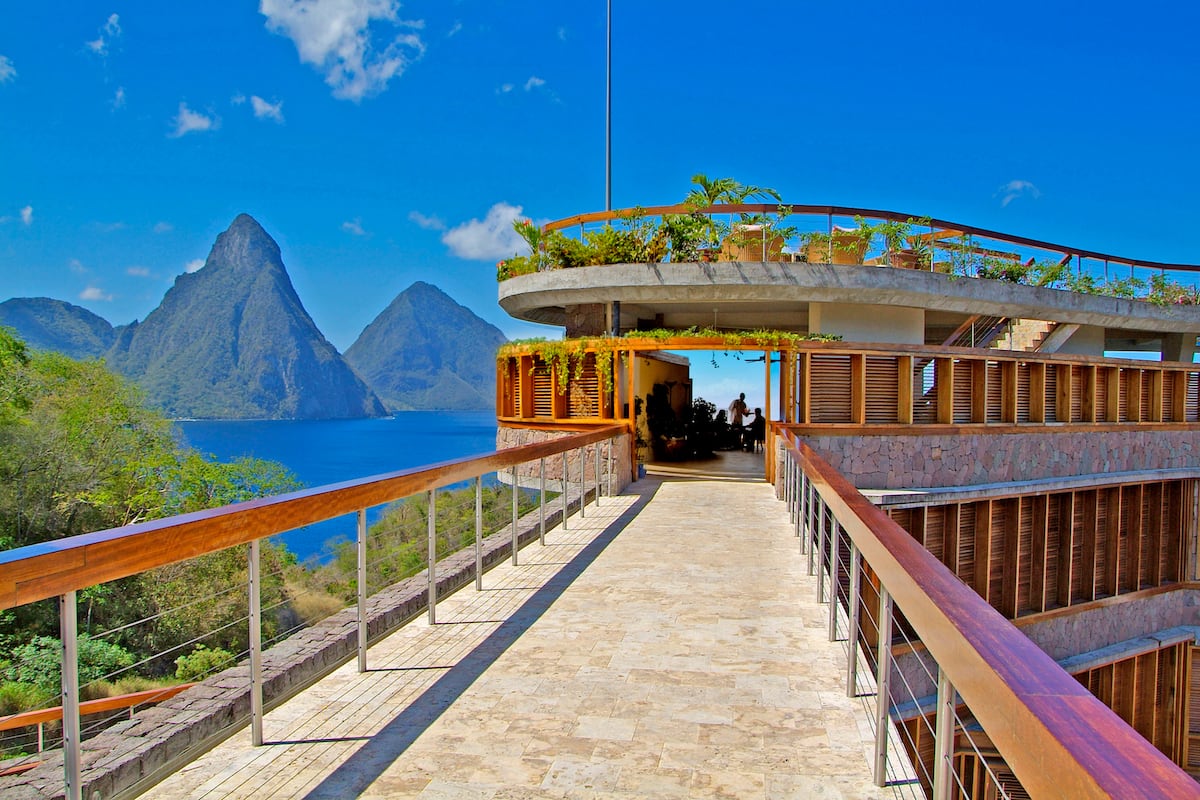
(321, 452)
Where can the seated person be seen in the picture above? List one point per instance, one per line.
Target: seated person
(756, 431)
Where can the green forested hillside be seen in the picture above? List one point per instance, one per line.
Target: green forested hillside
(48, 324)
(80, 452)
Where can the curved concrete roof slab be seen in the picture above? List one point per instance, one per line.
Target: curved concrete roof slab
(541, 297)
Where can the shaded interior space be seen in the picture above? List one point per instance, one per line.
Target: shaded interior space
(686, 419)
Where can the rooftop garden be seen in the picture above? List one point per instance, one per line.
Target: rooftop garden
(724, 220)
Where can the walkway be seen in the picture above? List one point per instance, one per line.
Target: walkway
(666, 645)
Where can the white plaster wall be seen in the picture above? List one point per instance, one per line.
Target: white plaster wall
(1087, 341)
(868, 323)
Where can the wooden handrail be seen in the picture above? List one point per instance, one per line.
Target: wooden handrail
(39, 571)
(871, 213)
(27, 718)
(1058, 738)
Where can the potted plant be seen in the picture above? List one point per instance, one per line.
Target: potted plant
(844, 246)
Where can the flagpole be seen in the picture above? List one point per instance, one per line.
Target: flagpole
(608, 116)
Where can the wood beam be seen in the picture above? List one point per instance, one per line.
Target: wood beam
(983, 549)
(1112, 540)
(1013, 566)
(1156, 395)
(1062, 403)
(979, 391)
(1037, 551)
(943, 378)
(904, 394)
(1037, 391)
(1112, 395)
(1088, 539)
(1008, 391)
(1066, 547)
(858, 389)
(1088, 393)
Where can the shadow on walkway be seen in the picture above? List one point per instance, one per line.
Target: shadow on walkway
(361, 769)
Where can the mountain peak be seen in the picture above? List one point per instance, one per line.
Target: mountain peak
(244, 247)
(234, 340)
(426, 351)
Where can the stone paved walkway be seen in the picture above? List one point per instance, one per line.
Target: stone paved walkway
(665, 646)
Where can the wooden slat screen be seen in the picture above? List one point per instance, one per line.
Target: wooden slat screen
(1023, 392)
(830, 393)
(1077, 386)
(1051, 395)
(543, 389)
(584, 390)
(1193, 397)
(1101, 396)
(1168, 391)
(995, 392)
(1147, 377)
(962, 390)
(883, 390)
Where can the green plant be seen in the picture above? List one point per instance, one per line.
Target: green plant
(202, 662)
(686, 234)
(563, 252)
(39, 662)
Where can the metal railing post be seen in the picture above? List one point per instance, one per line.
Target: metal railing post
(801, 493)
(515, 499)
(361, 547)
(583, 482)
(813, 500)
(566, 491)
(256, 687)
(821, 552)
(835, 577)
(852, 638)
(68, 632)
(609, 474)
(943, 739)
(596, 450)
(431, 573)
(883, 673)
(479, 533)
(542, 501)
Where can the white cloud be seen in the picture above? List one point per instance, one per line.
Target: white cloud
(138, 272)
(340, 39)
(109, 31)
(77, 266)
(1014, 189)
(7, 71)
(188, 121)
(562, 34)
(118, 100)
(505, 88)
(163, 227)
(95, 293)
(194, 265)
(491, 238)
(354, 227)
(265, 110)
(429, 223)
(533, 83)
(27, 215)
(238, 99)
(454, 29)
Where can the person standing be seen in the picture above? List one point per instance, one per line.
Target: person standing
(738, 411)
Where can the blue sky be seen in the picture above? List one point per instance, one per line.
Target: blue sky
(382, 143)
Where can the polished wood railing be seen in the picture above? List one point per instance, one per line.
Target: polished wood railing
(63, 567)
(1058, 739)
(934, 233)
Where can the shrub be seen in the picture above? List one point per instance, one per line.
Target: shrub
(202, 662)
(40, 662)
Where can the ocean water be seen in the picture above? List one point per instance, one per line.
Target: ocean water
(321, 452)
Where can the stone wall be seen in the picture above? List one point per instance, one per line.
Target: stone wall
(931, 460)
(528, 474)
